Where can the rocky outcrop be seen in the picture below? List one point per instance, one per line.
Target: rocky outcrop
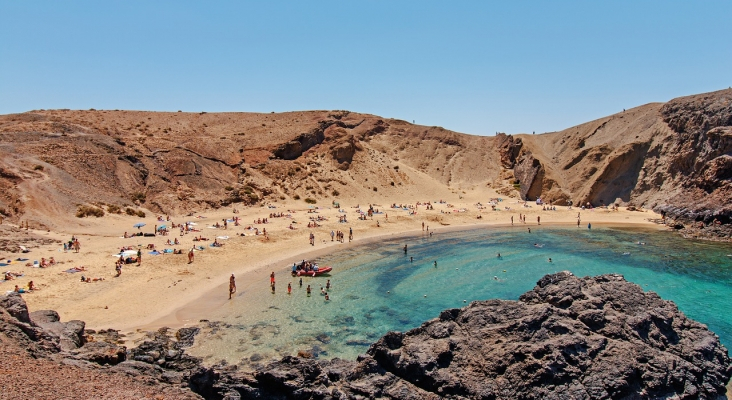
(591, 338)
(529, 173)
(509, 148)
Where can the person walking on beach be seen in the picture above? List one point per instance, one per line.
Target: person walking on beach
(232, 285)
(512, 220)
(190, 256)
(538, 220)
(332, 235)
(139, 257)
(272, 278)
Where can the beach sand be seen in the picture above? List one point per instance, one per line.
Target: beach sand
(167, 291)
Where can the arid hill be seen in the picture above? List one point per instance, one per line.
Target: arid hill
(675, 157)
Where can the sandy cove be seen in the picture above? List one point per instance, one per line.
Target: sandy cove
(167, 291)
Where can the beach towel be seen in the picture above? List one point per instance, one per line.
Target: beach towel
(21, 259)
(72, 271)
(4, 265)
(222, 237)
(154, 252)
(167, 250)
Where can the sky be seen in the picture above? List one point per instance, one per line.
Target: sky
(477, 67)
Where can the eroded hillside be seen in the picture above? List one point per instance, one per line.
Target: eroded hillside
(674, 157)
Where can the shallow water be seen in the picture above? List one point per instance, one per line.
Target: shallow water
(376, 288)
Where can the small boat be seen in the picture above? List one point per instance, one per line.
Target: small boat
(320, 271)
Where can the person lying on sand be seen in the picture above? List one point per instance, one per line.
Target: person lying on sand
(89, 280)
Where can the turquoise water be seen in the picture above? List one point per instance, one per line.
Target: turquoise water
(376, 288)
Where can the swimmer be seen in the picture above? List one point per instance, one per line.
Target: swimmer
(550, 259)
(529, 229)
(626, 253)
(411, 259)
(322, 291)
(435, 263)
(495, 278)
(499, 256)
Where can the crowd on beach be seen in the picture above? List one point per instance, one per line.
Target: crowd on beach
(190, 239)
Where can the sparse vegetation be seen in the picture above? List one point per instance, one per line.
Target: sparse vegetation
(140, 213)
(38, 168)
(113, 209)
(130, 211)
(296, 197)
(310, 200)
(335, 192)
(138, 196)
(376, 189)
(228, 188)
(89, 211)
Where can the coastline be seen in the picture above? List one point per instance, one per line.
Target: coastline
(191, 313)
(166, 291)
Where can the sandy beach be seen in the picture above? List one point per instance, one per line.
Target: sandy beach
(168, 291)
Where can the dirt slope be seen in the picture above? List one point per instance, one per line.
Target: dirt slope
(675, 157)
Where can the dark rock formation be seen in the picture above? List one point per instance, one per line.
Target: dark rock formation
(599, 338)
(509, 148)
(590, 338)
(529, 173)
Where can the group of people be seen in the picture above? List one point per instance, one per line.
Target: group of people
(303, 268)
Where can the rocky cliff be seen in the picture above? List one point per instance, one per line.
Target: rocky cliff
(594, 337)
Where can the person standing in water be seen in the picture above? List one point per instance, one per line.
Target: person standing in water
(308, 291)
(405, 249)
(289, 288)
(435, 263)
(232, 285)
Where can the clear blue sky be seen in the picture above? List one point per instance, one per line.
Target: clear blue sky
(471, 66)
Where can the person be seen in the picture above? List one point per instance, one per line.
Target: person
(289, 287)
(529, 229)
(327, 285)
(405, 249)
(32, 286)
(300, 282)
(512, 220)
(19, 290)
(435, 263)
(190, 256)
(589, 225)
(550, 259)
(423, 225)
(322, 291)
(499, 255)
(308, 290)
(538, 220)
(411, 259)
(139, 257)
(232, 285)
(332, 235)
(118, 268)
(327, 297)
(272, 278)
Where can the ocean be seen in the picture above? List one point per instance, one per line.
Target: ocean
(377, 288)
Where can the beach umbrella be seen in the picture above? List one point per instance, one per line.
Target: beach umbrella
(139, 225)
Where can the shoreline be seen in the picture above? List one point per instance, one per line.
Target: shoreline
(165, 290)
(191, 313)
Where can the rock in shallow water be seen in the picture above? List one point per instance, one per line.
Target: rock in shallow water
(587, 338)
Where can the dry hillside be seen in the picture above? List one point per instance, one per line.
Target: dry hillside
(675, 157)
